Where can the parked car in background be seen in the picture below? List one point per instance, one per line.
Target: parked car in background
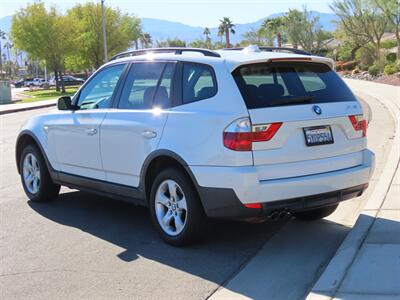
(68, 81)
(39, 82)
(30, 82)
(71, 80)
(18, 83)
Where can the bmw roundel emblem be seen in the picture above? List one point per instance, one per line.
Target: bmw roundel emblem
(317, 109)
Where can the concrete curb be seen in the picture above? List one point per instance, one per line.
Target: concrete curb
(24, 108)
(330, 280)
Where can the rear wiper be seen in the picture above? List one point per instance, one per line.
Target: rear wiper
(299, 100)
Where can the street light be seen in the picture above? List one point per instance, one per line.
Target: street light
(103, 23)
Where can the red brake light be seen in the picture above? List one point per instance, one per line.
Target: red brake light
(290, 59)
(359, 123)
(253, 205)
(238, 141)
(240, 134)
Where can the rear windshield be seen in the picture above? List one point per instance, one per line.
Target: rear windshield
(289, 83)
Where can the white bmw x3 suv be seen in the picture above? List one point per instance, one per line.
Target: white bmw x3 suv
(192, 133)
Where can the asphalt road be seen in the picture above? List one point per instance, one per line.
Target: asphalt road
(85, 246)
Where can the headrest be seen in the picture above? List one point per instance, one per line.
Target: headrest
(271, 90)
(205, 92)
(161, 99)
(148, 96)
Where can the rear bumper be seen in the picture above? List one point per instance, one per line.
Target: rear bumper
(223, 203)
(225, 190)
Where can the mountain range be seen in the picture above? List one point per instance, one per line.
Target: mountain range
(163, 29)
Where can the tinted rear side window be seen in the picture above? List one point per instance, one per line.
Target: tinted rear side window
(289, 83)
(198, 82)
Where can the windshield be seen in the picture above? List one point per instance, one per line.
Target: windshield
(289, 83)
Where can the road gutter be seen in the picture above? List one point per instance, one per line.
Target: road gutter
(17, 107)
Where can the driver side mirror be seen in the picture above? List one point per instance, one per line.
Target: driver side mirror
(65, 103)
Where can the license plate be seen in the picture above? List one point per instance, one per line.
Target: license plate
(319, 135)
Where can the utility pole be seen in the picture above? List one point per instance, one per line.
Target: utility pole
(45, 71)
(103, 23)
(1, 62)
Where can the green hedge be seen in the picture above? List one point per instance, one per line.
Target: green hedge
(373, 70)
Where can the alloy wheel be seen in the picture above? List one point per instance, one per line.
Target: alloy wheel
(171, 207)
(31, 173)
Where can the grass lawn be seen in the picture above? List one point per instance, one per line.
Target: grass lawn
(38, 95)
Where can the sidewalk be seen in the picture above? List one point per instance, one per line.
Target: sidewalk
(376, 269)
(367, 264)
(374, 272)
(16, 107)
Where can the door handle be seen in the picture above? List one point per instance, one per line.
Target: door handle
(149, 134)
(91, 131)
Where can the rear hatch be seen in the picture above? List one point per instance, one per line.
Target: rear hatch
(318, 121)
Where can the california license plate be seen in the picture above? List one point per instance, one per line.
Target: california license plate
(318, 135)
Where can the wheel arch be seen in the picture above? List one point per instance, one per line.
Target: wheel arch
(27, 137)
(161, 159)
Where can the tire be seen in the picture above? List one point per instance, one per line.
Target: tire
(181, 227)
(35, 169)
(316, 214)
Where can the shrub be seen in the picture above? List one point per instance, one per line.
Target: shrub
(365, 55)
(373, 70)
(391, 69)
(391, 57)
(363, 67)
(388, 44)
(344, 52)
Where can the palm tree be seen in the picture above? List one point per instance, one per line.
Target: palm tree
(2, 37)
(226, 27)
(8, 46)
(275, 26)
(207, 34)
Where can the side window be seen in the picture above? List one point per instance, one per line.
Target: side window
(99, 90)
(198, 82)
(140, 85)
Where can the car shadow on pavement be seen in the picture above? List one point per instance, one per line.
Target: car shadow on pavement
(129, 227)
(227, 246)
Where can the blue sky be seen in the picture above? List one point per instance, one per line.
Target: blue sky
(191, 12)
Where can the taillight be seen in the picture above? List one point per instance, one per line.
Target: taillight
(265, 132)
(240, 134)
(359, 123)
(253, 205)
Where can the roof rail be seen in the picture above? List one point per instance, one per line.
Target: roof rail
(175, 50)
(274, 49)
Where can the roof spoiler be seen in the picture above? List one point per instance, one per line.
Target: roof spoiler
(254, 48)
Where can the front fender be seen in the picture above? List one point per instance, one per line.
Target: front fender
(33, 131)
